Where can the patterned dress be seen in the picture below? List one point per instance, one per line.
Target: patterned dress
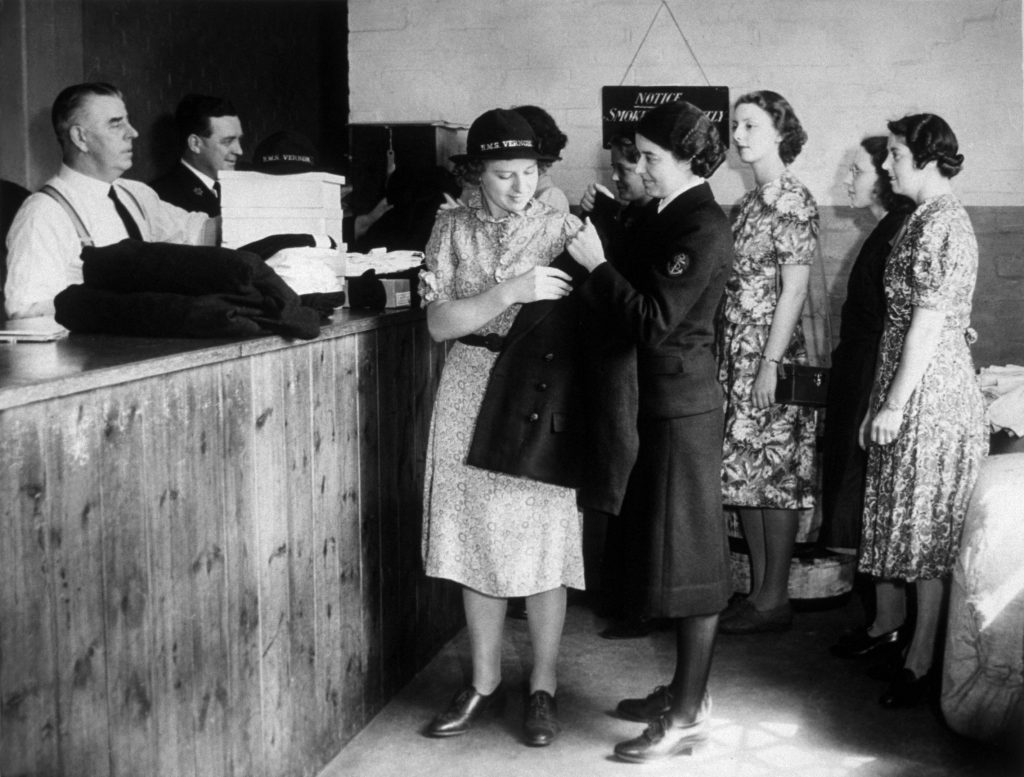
(497, 534)
(768, 455)
(919, 486)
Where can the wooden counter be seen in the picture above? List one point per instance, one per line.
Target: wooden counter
(209, 551)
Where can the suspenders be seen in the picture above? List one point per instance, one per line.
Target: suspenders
(83, 234)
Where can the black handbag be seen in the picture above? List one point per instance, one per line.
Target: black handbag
(802, 384)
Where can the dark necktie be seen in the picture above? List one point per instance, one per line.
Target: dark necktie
(216, 189)
(126, 217)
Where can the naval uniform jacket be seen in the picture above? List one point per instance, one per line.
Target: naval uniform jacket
(663, 296)
(181, 187)
(560, 404)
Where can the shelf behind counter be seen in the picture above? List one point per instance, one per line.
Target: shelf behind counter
(209, 550)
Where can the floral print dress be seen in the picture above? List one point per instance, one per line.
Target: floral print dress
(918, 487)
(768, 455)
(497, 534)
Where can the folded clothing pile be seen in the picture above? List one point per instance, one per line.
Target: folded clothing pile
(169, 290)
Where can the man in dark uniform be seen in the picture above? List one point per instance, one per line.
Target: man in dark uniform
(211, 134)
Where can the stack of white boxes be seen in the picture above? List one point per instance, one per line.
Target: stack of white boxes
(257, 205)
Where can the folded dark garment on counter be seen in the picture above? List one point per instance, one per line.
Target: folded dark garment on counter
(154, 314)
(133, 265)
(323, 302)
(198, 291)
(266, 247)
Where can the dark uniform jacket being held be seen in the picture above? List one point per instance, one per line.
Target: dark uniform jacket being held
(560, 405)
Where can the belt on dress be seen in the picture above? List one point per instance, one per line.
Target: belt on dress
(492, 342)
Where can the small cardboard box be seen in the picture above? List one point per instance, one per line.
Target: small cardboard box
(397, 291)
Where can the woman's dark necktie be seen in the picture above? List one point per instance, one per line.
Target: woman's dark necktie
(125, 216)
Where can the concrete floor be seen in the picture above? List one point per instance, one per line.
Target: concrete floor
(782, 706)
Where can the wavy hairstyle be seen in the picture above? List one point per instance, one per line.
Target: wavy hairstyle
(550, 139)
(783, 119)
(686, 131)
(877, 147)
(929, 138)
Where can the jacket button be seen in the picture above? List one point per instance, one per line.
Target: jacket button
(548, 357)
(542, 387)
(534, 417)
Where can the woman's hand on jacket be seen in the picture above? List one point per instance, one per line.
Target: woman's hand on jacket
(585, 247)
(762, 393)
(537, 283)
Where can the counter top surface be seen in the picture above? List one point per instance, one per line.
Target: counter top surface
(31, 372)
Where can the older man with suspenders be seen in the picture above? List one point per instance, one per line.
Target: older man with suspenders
(88, 203)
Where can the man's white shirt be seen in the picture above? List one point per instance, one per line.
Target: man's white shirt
(44, 248)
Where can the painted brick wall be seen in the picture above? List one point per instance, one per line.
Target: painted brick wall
(998, 313)
(847, 67)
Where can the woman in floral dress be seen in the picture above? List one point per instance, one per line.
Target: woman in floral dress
(925, 428)
(768, 454)
(496, 535)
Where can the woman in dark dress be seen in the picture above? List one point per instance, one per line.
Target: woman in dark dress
(662, 297)
(853, 360)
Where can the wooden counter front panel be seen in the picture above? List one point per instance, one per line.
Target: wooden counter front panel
(216, 571)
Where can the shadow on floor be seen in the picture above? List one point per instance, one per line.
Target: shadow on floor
(782, 706)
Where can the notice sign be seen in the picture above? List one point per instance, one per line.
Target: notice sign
(622, 106)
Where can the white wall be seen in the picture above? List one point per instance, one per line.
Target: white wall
(846, 65)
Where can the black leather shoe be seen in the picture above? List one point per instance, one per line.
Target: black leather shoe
(465, 709)
(857, 643)
(905, 690)
(541, 725)
(661, 739)
(651, 707)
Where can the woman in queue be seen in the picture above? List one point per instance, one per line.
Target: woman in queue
(768, 468)
(550, 141)
(496, 535)
(853, 371)
(924, 431)
(662, 296)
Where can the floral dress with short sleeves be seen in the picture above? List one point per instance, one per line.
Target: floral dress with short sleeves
(918, 487)
(497, 534)
(768, 455)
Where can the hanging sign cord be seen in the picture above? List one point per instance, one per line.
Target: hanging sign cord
(689, 48)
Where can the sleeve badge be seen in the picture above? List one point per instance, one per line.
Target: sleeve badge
(678, 264)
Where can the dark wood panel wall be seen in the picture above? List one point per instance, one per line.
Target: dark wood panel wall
(216, 571)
